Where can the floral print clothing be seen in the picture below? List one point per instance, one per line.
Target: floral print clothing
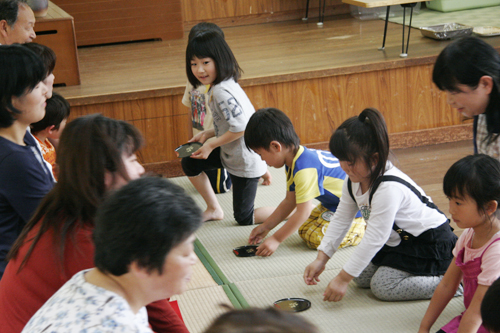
(82, 307)
(482, 147)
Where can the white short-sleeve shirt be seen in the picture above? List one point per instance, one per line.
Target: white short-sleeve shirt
(79, 306)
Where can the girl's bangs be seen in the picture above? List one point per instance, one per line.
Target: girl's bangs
(200, 49)
(342, 148)
(459, 183)
(445, 79)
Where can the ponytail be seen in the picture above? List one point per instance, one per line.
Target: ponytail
(363, 137)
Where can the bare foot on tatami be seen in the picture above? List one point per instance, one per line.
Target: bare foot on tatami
(213, 215)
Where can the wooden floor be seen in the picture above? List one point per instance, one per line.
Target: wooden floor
(268, 53)
(427, 166)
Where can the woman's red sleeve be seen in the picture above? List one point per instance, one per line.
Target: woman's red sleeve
(163, 318)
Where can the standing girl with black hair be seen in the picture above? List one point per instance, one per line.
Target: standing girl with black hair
(468, 70)
(210, 61)
(408, 242)
(472, 186)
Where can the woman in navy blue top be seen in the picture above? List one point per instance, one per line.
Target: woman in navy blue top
(24, 176)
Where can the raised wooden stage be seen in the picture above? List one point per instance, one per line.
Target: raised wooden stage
(318, 76)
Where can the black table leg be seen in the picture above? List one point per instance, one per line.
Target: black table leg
(385, 29)
(307, 12)
(324, 5)
(321, 13)
(408, 5)
(408, 41)
(403, 40)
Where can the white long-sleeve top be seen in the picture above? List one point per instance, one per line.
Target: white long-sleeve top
(392, 203)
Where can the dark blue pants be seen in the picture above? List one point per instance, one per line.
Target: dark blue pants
(244, 189)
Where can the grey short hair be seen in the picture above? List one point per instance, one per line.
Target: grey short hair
(9, 10)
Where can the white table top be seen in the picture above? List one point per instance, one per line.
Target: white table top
(379, 3)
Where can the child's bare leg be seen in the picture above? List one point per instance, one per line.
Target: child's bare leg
(214, 210)
(266, 178)
(262, 213)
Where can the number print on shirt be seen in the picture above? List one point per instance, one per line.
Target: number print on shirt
(327, 159)
(233, 105)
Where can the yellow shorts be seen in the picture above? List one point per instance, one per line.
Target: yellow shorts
(313, 230)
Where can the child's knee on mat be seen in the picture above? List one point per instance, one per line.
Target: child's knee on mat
(364, 279)
(244, 218)
(384, 283)
(362, 282)
(390, 284)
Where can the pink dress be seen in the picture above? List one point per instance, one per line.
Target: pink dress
(471, 270)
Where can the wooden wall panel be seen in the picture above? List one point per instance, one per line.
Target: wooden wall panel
(263, 96)
(112, 21)
(164, 126)
(394, 103)
(306, 96)
(162, 136)
(316, 107)
(242, 12)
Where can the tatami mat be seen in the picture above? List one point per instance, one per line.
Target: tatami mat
(477, 17)
(199, 307)
(291, 257)
(220, 237)
(266, 195)
(257, 281)
(201, 278)
(359, 311)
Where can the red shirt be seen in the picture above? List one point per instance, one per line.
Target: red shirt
(23, 293)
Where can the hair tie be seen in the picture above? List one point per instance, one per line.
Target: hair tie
(364, 119)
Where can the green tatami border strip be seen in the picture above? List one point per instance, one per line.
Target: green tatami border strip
(232, 292)
(211, 262)
(232, 297)
(236, 292)
(206, 262)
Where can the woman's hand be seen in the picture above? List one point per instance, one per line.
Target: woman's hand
(337, 287)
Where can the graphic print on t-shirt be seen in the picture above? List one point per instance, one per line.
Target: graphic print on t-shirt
(198, 109)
